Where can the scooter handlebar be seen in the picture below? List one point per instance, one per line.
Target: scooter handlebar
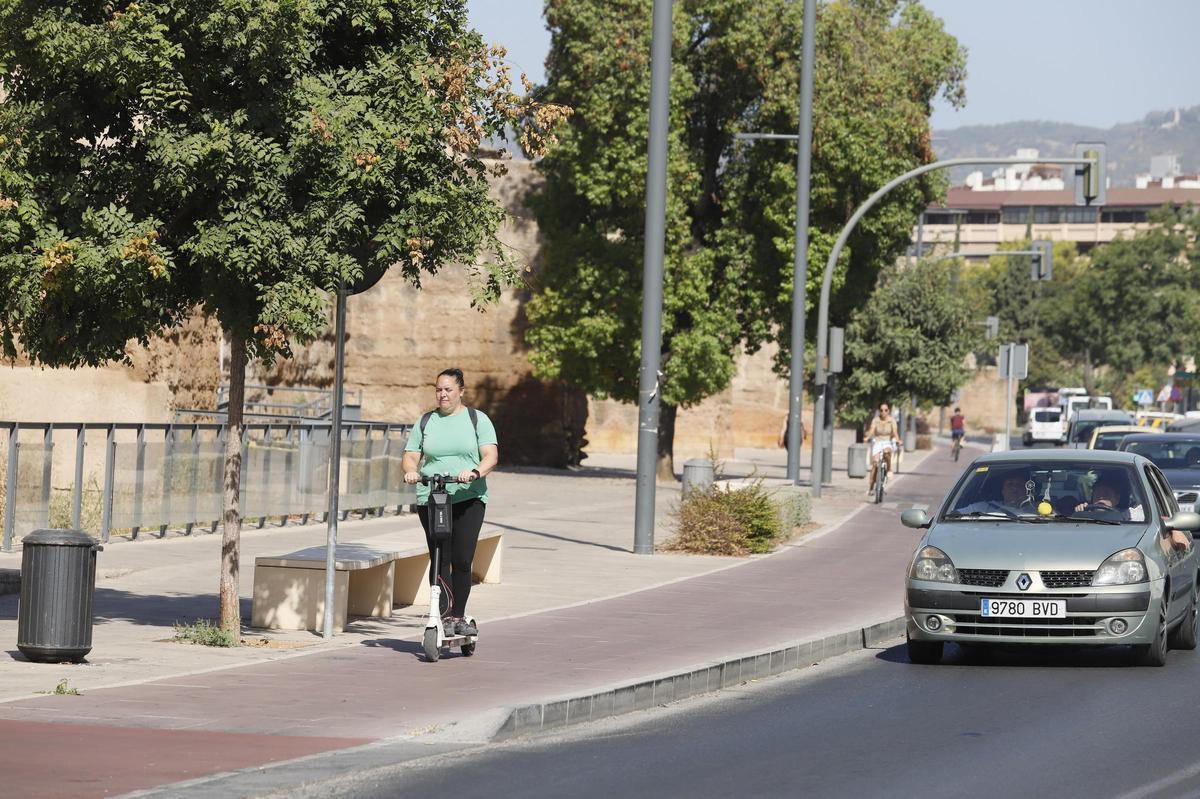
(445, 478)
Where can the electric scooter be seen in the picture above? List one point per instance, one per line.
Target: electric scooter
(441, 525)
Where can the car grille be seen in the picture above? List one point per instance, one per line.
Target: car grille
(1067, 579)
(1071, 627)
(988, 578)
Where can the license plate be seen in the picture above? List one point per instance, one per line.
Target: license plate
(1024, 608)
(1186, 507)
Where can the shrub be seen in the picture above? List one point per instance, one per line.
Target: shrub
(727, 521)
(205, 633)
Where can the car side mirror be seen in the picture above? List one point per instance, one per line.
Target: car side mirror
(919, 519)
(1184, 520)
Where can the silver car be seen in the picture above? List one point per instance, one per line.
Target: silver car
(1055, 547)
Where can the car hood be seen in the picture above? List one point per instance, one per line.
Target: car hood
(1182, 478)
(1016, 545)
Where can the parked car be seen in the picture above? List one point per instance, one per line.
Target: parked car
(1111, 436)
(1044, 546)
(1177, 455)
(1045, 424)
(1079, 432)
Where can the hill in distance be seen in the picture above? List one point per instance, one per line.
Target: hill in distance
(1130, 144)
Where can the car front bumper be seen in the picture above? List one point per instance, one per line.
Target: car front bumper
(1091, 614)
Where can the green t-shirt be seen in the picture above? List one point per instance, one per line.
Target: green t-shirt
(448, 446)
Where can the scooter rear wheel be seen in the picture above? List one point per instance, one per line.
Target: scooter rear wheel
(468, 650)
(430, 644)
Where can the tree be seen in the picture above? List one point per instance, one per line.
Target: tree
(730, 207)
(1137, 304)
(1029, 311)
(245, 157)
(912, 337)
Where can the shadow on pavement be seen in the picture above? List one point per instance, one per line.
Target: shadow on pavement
(558, 537)
(158, 609)
(396, 645)
(1053, 656)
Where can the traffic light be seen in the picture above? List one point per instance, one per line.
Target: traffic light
(1043, 262)
(1091, 179)
(991, 327)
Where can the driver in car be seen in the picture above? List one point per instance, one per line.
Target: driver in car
(1014, 497)
(1107, 499)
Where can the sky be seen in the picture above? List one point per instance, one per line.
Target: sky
(1089, 62)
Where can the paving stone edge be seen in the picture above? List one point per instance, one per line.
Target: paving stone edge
(661, 689)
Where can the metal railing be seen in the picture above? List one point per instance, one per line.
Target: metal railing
(304, 401)
(124, 478)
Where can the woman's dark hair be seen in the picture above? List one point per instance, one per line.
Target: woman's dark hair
(456, 374)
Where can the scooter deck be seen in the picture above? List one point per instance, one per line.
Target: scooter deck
(458, 640)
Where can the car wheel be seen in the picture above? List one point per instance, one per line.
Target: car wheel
(1184, 636)
(1155, 653)
(924, 652)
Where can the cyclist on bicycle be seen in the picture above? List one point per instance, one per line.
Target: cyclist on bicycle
(958, 428)
(884, 437)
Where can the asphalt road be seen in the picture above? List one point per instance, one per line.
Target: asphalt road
(1060, 723)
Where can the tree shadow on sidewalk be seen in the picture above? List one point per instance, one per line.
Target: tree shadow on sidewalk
(158, 610)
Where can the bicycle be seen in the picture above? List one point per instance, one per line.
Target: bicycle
(881, 474)
(956, 447)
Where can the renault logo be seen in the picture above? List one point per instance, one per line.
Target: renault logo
(1023, 582)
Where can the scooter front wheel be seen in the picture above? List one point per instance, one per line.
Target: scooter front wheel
(430, 644)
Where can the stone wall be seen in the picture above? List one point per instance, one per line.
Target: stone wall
(398, 339)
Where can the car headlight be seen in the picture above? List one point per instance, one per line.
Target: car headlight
(1122, 568)
(932, 563)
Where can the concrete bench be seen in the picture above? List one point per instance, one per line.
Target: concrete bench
(289, 590)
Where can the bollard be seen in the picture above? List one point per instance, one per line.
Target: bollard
(910, 440)
(999, 442)
(856, 460)
(697, 475)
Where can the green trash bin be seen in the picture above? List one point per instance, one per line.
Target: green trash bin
(58, 583)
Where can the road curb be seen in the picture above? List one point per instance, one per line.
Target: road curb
(714, 676)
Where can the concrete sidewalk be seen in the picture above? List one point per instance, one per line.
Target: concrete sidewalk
(577, 615)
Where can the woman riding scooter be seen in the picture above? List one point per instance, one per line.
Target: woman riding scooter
(459, 441)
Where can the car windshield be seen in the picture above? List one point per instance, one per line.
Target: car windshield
(1174, 454)
(1110, 441)
(1041, 491)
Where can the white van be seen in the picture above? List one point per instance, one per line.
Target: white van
(1077, 403)
(1045, 424)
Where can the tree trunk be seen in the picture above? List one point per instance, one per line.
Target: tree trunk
(231, 538)
(1089, 381)
(665, 471)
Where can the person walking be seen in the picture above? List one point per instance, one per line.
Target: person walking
(461, 442)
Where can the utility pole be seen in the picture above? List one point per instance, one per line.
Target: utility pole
(652, 278)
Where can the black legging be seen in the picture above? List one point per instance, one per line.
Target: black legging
(456, 569)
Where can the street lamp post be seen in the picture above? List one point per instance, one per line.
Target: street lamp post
(820, 454)
(652, 278)
(803, 138)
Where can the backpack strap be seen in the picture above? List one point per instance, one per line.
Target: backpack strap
(470, 412)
